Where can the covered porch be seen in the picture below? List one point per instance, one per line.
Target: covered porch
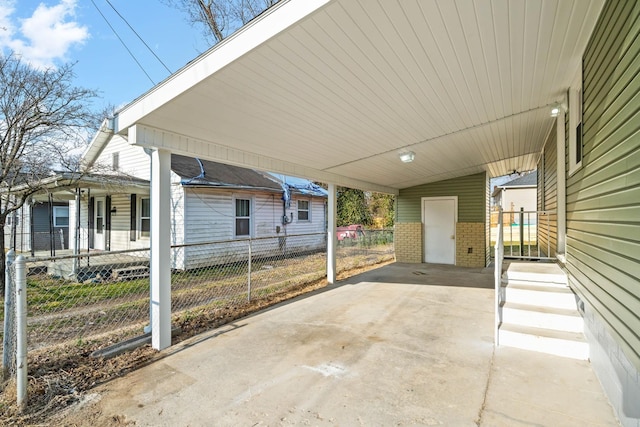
(394, 97)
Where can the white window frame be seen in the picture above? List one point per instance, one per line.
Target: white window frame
(115, 161)
(140, 217)
(308, 210)
(250, 217)
(55, 215)
(575, 120)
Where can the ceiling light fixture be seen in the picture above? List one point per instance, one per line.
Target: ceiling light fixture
(555, 108)
(407, 157)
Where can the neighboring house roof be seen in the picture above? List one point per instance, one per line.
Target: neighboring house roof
(196, 172)
(529, 180)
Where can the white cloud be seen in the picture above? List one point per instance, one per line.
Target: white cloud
(44, 37)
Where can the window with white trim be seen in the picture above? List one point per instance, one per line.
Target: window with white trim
(304, 213)
(575, 125)
(242, 217)
(60, 216)
(145, 217)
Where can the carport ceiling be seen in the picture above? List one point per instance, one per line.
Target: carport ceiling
(341, 87)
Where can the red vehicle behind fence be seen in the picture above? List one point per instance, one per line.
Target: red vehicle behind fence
(352, 231)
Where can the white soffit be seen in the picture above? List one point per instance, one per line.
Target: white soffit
(343, 87)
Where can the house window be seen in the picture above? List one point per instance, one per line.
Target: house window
(303, 210)
(243, 217)
(145, 217)
(115, 161)
(575, 125)
(60, 216)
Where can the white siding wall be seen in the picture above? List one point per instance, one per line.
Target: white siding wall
(210, 217)
(132, 159)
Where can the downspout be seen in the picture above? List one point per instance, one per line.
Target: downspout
(14, 230)
(52, 250)
(32, 239)
(76, 237)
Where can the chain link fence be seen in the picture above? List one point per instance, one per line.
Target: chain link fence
(104, 296)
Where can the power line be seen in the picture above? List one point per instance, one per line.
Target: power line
(138, 35)
(123, 43)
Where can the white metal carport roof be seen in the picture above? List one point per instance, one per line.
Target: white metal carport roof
(333, 90)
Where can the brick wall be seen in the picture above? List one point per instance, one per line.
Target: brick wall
(408, 242)
(470, 244)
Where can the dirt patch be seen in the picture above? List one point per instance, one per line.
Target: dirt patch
(61, 378)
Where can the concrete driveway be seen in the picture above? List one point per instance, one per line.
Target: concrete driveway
(401, 345)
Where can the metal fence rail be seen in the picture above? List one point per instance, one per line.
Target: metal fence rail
(104, 296)
(526, 234)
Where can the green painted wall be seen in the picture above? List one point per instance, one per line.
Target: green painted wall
(547, 195)
(603, 196)
(471, 191)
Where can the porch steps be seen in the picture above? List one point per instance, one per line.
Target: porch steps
(539, 311)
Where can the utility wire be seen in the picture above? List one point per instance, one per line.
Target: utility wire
(123, 43)
(140, 38)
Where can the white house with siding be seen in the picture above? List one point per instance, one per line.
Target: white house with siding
(210, 202)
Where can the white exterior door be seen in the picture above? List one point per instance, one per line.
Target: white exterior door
(439, 216)
(99, 223)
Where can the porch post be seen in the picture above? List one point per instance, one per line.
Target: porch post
(160, 249)
(561, 188)
(331, 234)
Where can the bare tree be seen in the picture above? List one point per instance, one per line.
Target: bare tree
(43, 118)
(219, 18)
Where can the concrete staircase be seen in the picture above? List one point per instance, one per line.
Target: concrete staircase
(539, 311)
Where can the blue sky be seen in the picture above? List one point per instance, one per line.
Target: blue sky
(48, 33)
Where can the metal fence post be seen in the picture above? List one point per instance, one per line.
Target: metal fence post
(521, 231)
(249, 274)
(21, 330)
(9, 316)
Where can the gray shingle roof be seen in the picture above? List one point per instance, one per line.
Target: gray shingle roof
(528, 180)
(219, 175)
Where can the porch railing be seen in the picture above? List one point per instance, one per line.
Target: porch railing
(526, 234)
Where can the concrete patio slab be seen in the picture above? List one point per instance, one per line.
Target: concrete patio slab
(401, 345)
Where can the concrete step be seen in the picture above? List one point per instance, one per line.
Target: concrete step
(539, 295)
(546, 272)
(565, 344)
(506, 281)
(542, 317)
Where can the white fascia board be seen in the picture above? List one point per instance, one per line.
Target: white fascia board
(270, 23)
(146, 136)
(97, 144)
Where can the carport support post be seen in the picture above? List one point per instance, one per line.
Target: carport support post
(331, 234)
(160, 249)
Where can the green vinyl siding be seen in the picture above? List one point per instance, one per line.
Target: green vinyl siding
(547, 195)
(471, 191)
(603, 196)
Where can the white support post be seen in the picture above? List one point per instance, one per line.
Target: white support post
(21, 331)
(561, 189)
(160, 249)
(331, 234)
